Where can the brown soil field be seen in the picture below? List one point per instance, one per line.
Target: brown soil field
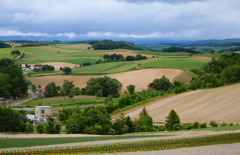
(219, 104)
(200, 58)
(57, 65)
(139, 78)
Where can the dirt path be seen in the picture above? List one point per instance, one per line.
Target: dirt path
(177, 135)
(32, 96)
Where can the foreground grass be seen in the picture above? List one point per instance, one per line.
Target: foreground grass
(25, 142)
(151, 145)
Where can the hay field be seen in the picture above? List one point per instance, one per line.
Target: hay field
(54, 49)
(57, 65)
(139, 78)
(219, 104)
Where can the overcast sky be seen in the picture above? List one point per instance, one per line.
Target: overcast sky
(174, 19)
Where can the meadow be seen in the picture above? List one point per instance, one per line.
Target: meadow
(179, 63)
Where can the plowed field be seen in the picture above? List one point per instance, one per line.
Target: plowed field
(219, 104)
(139, 78)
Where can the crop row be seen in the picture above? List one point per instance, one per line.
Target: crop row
(151, 145)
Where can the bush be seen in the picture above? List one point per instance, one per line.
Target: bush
(213, 123)
(161, 128)
(112, 132)
(231, 124)
(195, 125)
(176, 127)
(224, 124)
(187, 126)
(204, 125)
(29, 128)
(40, 128)
(143, 129)
(107, 99)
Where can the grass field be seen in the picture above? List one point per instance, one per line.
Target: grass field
(66, 102)
(174, 63)
(6, 52)
(164, 53)
(24, 142)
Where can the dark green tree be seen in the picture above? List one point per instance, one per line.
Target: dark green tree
(67, 70)
(162, 83)
(131, 89)
(172, 119)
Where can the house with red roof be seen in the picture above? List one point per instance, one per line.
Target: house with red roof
(40, 91)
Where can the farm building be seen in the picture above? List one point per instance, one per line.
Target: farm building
(3, 100)
(42, 112)
(40, 91)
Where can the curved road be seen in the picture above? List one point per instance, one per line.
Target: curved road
(32, 96)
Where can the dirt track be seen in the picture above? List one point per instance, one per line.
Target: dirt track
(219, 104)
(139, 78)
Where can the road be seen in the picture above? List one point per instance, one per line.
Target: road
(30, 93)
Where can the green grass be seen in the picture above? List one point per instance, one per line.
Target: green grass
(165, 53)
(26, 142)
(85, 101)
(174, 63)
(104, 68)
(212, 55)
(5, 51)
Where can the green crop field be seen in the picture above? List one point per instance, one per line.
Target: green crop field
(24, 142)
(104, 68)
(85, 101)
(165, 53)
(174, 63)
(6, 52)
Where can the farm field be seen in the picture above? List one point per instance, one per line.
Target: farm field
(179, 63)
(57, 65)
(200, 58)
(139, 78)
(219, 104)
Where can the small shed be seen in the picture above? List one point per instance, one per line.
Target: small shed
(3, 100)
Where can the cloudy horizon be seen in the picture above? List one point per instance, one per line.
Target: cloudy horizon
(157, 19)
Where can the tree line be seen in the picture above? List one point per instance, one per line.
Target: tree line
(35, 44)
(225, 70)
(4, 45)
(109, 45)
(179, 49)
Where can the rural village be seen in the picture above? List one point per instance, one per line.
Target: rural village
(118, 92)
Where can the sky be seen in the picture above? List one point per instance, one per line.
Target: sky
(157, 19)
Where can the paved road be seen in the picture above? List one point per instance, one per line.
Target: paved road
(188, 134)
(32, 96)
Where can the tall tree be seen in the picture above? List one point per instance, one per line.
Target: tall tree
(172, 119)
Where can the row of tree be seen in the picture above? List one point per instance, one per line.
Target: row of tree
(35, 44)
(179, 49)
(109, 45)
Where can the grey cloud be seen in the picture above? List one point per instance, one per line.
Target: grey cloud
(163, 1)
